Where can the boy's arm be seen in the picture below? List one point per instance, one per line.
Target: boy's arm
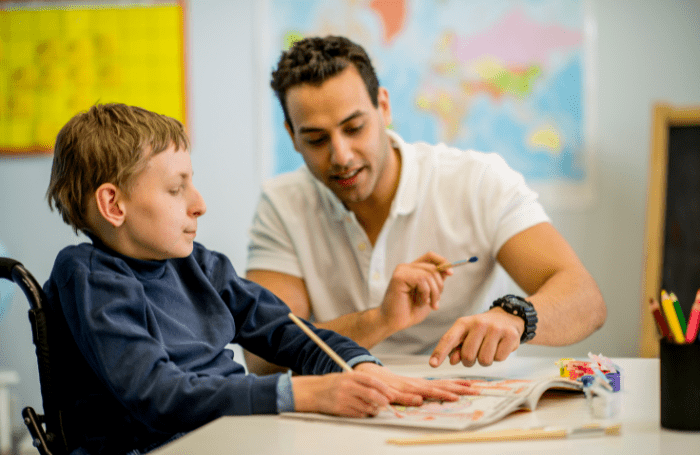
(107, 316)
(292, 291)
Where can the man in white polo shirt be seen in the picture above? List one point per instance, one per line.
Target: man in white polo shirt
(354, 239)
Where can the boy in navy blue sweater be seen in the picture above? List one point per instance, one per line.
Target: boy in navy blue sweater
(146, 312)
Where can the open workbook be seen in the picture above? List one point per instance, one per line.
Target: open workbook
(498, 398)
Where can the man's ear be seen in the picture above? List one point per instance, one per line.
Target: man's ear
(383, 105)
(109, 204)
(290, 131)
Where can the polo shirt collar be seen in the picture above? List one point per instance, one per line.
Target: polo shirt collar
(406, 194)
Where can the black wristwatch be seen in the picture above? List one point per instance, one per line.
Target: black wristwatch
(518, 306)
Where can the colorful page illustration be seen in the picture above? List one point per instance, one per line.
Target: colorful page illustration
(499, 397)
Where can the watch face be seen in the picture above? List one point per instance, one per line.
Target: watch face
(517, 300)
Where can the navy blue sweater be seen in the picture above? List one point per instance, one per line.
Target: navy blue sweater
(144, 344)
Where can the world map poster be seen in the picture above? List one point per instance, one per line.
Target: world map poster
(504, 76)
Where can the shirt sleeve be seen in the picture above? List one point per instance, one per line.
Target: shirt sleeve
(509, 205)
(362, 359)
(285, 394)
(270, 247)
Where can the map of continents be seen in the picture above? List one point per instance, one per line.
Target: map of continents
(498, 76)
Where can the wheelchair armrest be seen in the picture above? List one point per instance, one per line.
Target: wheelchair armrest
(34, 423)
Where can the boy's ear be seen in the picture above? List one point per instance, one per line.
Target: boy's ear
(109, 203)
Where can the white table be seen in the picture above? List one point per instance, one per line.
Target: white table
(639, 416)
(7, 378)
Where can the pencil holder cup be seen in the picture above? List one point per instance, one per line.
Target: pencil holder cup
(680, 386)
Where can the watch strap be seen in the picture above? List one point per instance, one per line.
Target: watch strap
(520, 307)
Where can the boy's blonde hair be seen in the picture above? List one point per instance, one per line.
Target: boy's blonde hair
(110, 143)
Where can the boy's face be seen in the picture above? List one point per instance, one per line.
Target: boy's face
(341, 135)
(161, 211)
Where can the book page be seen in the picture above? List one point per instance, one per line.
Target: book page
(499, 397)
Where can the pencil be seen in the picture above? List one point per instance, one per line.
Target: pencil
(672, 318)
(327, 349)
(321, 344)
(693, 320)
(679, 312)
(444, 267)
(660, 320)
(515, 434)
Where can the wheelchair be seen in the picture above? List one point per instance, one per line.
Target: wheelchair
(47, 429)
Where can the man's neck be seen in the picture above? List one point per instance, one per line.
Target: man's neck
(373, 212)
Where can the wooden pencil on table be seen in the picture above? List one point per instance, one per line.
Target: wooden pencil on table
(515, 434)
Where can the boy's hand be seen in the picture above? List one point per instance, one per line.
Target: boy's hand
(351, 394)
(411, 391)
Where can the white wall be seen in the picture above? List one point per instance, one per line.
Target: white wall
(647, 51)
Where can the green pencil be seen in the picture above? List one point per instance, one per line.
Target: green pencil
(679, 312)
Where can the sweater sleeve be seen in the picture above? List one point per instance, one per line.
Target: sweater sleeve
(165, 361)
(113, 326)
(265, 329)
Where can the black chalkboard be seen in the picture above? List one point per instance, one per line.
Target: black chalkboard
(672, 236)
(681, 252)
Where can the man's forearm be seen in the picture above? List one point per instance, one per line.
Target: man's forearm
(569, 307)
(364, 327)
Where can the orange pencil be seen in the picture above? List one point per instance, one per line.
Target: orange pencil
(693, 320)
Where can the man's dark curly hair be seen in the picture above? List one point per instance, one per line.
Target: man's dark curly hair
(314, 60)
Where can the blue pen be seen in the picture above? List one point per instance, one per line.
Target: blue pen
(457, 263)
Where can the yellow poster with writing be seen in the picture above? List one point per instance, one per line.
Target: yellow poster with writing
(58, 60)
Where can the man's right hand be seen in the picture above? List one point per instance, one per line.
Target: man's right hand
(414, 291)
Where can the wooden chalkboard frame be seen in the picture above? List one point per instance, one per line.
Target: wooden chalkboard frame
(664, 116)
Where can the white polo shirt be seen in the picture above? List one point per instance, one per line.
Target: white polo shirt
(456, 203)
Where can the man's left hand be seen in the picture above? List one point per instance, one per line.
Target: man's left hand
(485, 337)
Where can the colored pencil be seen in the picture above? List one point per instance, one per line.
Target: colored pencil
(693, 321)
(661, 323)
(444, 267)
(679, 312)
(672, 318)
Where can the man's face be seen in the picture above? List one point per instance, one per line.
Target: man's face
(162, 209)
(341, 135)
